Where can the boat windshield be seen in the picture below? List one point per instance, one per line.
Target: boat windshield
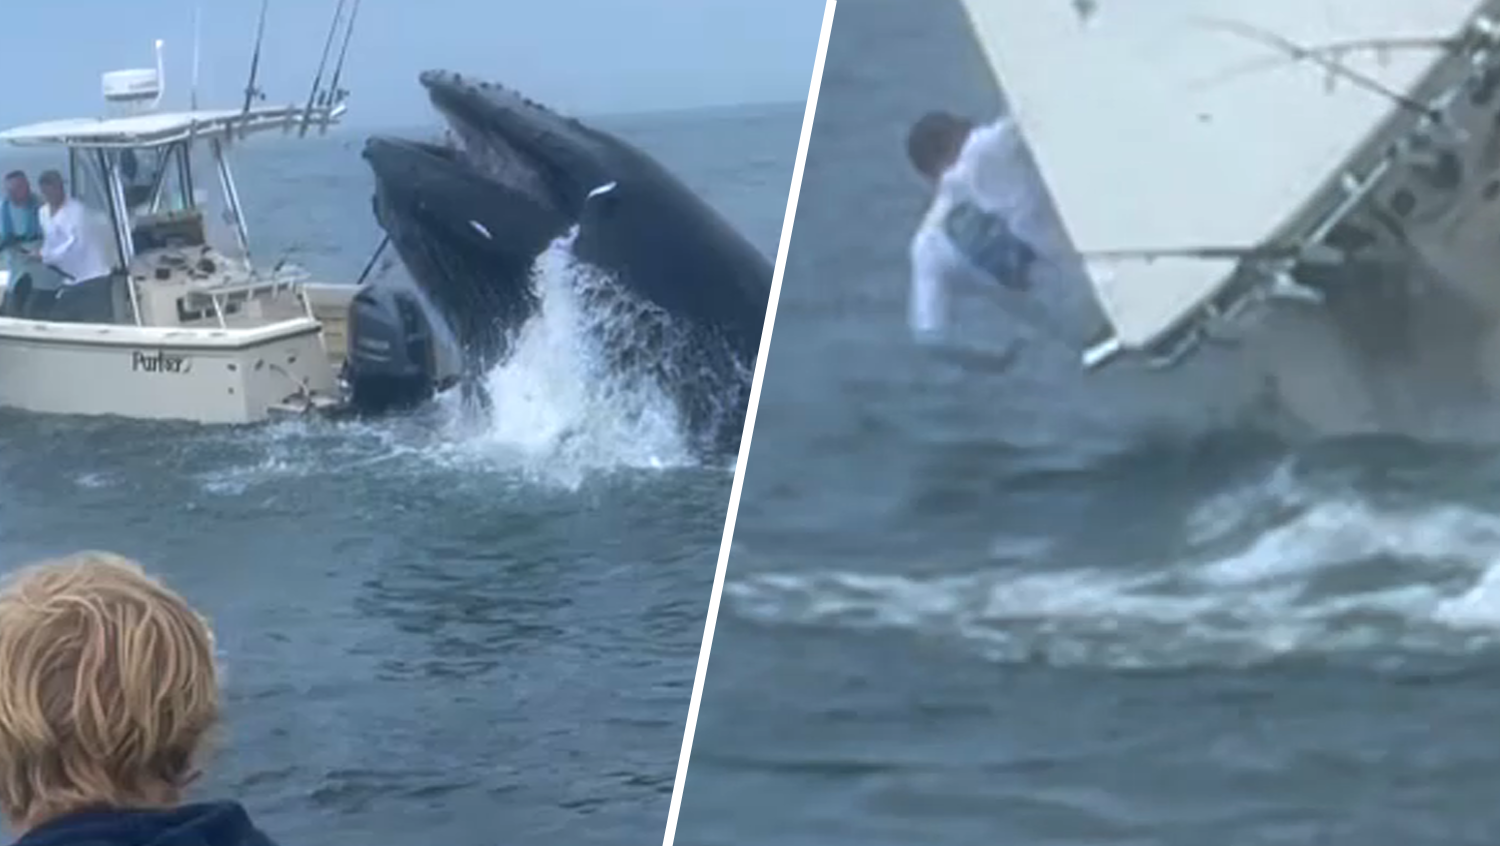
(138, 181)
(171, 193)
(207, 196)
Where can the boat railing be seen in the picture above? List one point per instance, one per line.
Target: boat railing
(218, 298)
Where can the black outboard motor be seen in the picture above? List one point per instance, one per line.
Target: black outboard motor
(391, 364)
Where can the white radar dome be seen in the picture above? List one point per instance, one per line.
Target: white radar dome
(132, 86)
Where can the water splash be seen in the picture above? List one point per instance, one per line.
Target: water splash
(565, 403)
(580, 396)
(1274, 570)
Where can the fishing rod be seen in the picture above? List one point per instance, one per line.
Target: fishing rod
(1382, 48)
(370, 265)
(317, 86)
(1335, 68)
(1314, 253)
(252, 91)
(336, 94)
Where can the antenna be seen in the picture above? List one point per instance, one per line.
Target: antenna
(335, 93)
(317, 86)
(252, 92)
(161, 75)
(197, 49)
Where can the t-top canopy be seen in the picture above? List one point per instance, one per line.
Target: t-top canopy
(161, 129)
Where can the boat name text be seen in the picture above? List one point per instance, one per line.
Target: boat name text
(160, 362)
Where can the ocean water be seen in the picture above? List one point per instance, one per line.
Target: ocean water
(433, 632)
(1040, 607)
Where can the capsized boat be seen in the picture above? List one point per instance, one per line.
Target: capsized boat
(1317, 181)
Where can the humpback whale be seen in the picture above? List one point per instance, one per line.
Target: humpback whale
(469, 219)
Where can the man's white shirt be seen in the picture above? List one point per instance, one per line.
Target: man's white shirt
(994, 172)
(71, 242)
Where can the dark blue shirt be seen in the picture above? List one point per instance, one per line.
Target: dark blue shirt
(988, 242)
(206, 824)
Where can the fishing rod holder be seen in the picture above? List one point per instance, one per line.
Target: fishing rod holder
(1486, 29)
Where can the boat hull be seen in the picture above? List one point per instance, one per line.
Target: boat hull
(216, 376)
(1409, 343)
(1407, 338)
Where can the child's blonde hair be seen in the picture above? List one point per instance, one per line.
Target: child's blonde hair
(108, 688)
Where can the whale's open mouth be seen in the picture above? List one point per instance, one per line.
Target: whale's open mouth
(469, 216)
(665, 289)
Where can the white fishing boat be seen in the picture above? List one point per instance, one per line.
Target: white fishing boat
(201, 332)
(1317, 181)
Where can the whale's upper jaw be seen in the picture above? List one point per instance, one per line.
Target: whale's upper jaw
(521, 142)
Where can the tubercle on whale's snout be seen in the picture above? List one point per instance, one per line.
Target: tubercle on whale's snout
(434, 80)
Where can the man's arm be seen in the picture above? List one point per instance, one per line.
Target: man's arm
(927, 306)
(66, 224)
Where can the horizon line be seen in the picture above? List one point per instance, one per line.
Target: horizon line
(667, 111)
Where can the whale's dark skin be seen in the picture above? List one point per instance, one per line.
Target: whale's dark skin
(469, 220)
(429, 201)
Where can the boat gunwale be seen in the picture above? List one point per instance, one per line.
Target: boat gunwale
(109, 335)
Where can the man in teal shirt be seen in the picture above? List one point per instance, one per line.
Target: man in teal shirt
(20, 219)
(21, 227)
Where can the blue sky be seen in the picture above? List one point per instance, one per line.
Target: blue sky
(580, 56)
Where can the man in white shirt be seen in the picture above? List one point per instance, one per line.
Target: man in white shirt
(990, 226)
(71, 245)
